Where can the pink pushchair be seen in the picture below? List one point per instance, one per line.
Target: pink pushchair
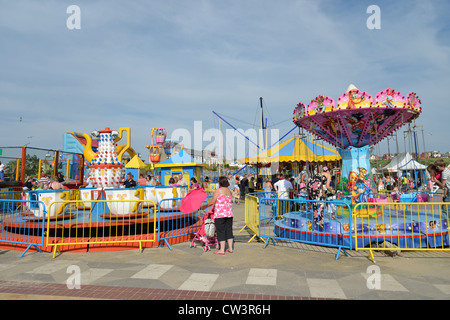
(201, 236)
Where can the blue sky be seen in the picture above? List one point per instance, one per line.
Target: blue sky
(160, 63)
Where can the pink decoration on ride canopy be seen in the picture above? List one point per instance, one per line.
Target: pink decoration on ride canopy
(389, 98)
(354, 99)
(321, 104)
(299, 111)
(413, 102)
(356, 120)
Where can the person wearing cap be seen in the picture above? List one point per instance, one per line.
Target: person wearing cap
(302, 189)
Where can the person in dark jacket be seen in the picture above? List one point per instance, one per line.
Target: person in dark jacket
(243, 186)
(129, 182)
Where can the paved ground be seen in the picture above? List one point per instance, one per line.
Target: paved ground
(285, 271)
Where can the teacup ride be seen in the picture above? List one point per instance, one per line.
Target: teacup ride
(58, 210)
(164, 196)
(106, 210)
(86, 198)
(36, 208)
(124, 203)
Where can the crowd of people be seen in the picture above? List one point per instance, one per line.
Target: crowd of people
(283, 184)
(44, 183)
(176, 180)
(439, 179)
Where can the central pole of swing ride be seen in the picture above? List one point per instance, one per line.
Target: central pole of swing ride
(263, 132)
(262, 129)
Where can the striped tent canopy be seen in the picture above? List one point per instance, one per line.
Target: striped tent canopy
(295, 150)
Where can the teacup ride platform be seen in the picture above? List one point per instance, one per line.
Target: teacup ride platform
(111, 220)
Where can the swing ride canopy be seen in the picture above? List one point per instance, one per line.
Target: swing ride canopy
(294, 150)
(357, 120)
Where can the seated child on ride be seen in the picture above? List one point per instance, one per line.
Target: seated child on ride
(395, 194)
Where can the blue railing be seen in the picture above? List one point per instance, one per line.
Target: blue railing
(325, 223)
(23, 222)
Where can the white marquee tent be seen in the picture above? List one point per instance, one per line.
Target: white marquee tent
(403, 164)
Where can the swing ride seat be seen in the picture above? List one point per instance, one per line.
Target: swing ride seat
(408, 197)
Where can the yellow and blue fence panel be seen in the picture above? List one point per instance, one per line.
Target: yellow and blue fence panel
(19, 227)
(101, 222)
(418, 226)
(172, 223)
(251, 212)
(324, 223)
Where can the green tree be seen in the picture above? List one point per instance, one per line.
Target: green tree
(31, 166)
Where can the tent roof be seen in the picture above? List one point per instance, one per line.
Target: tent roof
(404, 161)
(136, 163)
(292, 150)
(180, 159)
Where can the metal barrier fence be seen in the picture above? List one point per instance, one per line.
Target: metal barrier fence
(84, 223)
(172, 223)
(10, 194)
(100, 222)
(426, 196)
(325, 223)
(421, 226)
(10, 189)
(371, 226)
(19, 226)
(251, 215)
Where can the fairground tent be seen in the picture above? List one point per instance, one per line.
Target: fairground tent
(403, 162)
(294, 150)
